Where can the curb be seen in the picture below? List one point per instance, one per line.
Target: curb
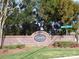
(72, 57)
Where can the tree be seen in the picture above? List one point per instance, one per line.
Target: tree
(18, 18)
(59, 10)
(50, 10)
(5, 11)
(3, 17)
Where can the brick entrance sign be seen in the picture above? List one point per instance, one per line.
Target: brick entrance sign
(39, 38)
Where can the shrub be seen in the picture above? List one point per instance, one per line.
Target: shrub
(65, 44)
(10, 47)
(20, 46)
(14, 46)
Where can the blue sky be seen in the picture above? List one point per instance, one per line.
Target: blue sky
(18, 1)
(21, 0)
(76, 0)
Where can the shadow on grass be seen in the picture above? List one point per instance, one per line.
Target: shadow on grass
(33, 52)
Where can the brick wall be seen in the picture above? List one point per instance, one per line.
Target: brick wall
(29, 40)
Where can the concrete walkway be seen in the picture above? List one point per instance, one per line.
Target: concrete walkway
(73, 57)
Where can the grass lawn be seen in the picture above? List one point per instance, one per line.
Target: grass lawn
(43, 53)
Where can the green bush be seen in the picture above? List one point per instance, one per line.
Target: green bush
(14, 46)
(65, 44)
(20, 46)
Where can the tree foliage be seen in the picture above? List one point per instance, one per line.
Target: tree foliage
(59, 9)
(51, 10)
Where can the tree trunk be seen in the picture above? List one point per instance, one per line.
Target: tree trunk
(76, 36)
(1, 37)
(1, 34)
(1, 31)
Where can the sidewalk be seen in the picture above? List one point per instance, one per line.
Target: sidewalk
(73, 57)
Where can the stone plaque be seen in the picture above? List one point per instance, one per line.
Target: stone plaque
(40, 38)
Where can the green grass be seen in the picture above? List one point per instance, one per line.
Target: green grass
(43, 53)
